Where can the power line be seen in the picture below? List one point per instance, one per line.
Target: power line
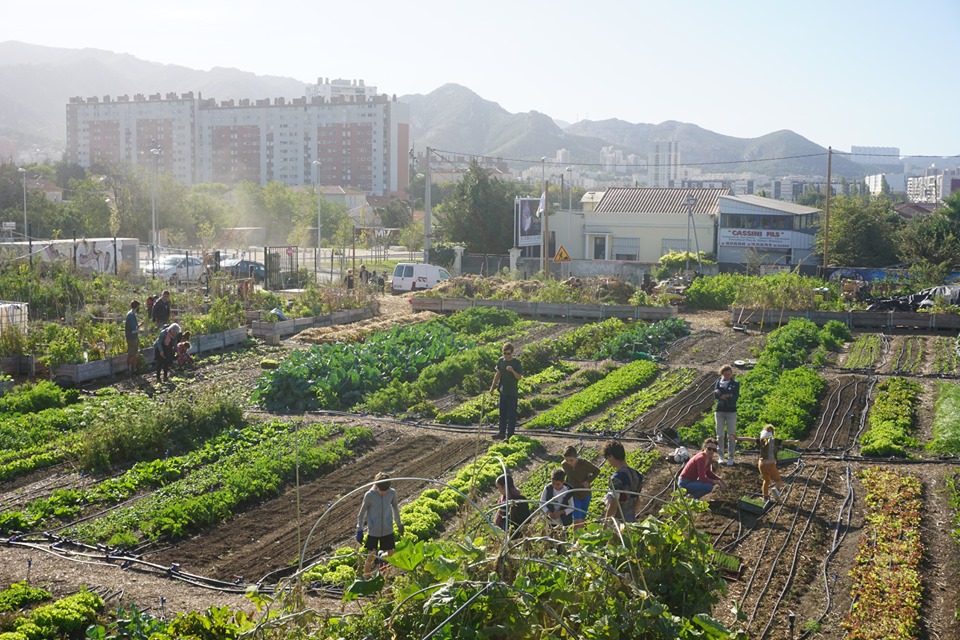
(554, 163)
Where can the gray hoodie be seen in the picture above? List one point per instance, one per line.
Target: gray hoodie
(380, 511)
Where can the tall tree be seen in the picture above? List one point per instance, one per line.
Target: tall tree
(479, 213)
(862, 232)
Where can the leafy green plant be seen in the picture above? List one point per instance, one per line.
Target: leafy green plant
(946, 419)
(864, 352)
(628, 410)
(642, 340)
(892, 418)
(20, 595)
(335, 376)
(887, 589)
(622, 381)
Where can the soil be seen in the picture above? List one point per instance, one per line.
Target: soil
(796, 556)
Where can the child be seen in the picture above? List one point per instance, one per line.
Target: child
(767, 463)
(183, 350)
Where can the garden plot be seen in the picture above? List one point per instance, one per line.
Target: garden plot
(866, 353)
(794, 555)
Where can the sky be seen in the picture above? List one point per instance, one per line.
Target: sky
(840, 72)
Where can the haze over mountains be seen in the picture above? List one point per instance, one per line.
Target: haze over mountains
(36, 82)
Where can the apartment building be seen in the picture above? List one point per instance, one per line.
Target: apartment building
(360, 140)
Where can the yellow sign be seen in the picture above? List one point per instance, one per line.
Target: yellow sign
(562, 255)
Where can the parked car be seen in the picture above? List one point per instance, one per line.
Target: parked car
(414, 276)
(241, 268)
(174, 269)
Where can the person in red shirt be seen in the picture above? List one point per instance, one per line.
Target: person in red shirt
(697, 477)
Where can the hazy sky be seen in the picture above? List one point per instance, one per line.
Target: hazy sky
(841, 73)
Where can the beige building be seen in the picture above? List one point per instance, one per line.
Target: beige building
(640, 224)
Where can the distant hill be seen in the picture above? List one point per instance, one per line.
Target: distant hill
(36, 82)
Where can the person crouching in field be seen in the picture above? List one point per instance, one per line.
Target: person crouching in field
(697, 477)
(767, 463)
(556, 500)
(380, 510)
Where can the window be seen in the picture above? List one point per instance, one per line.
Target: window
(626, 248)
(669, 244)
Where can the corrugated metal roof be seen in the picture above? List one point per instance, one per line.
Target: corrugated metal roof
(770, 203)
(644, 200)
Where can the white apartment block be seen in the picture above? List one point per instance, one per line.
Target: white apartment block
(933, 187)
(664, 165)
(896, 182)
(359, 141)
(348, 89)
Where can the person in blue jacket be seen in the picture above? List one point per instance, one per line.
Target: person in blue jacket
(726, 390)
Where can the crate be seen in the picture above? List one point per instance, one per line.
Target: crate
(749, 504)
(730, 566)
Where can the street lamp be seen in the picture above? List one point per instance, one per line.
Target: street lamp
(23, 176)
(316, 163)
(156, 150)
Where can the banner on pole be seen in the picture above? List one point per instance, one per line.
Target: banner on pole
(529, 223)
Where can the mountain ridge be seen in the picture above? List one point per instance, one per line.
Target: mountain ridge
(451, 117)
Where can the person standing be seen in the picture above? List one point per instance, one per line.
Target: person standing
(697, 477)
(165, 349)
(380, 510)
(726, 390)
(556, 500)
(506, 379)
(767, 462)
(161, 309)
(625, 484)
(364, 276)
(580, 473)
(131, 330)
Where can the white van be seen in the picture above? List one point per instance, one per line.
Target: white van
(414, 276)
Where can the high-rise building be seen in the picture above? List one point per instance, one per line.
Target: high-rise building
(664, 165)
(360, 140)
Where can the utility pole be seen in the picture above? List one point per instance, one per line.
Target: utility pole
(316, 163)
(690, 202)
(546, 232)
(826, 215)
(426, 209)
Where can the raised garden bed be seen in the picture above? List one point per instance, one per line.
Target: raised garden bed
(272, 332)
(548, 309)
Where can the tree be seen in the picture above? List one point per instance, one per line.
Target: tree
(479, 213)
(933, 238)
(862, 232)
(396, 214)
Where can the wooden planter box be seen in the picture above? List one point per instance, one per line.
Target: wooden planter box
(428, 304)
(655, 313)
(870, 319)
(945, 321)
(234, 336)
(85, 372)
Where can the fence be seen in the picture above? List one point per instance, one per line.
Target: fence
(885, 320)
